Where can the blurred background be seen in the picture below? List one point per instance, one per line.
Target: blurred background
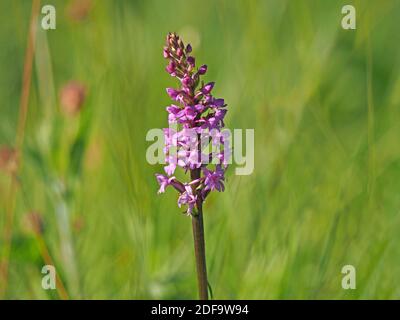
(77, 192)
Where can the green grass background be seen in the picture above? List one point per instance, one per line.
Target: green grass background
(324, 103)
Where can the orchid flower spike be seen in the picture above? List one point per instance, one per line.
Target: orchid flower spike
(199, 118)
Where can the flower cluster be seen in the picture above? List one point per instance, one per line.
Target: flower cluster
(194, 137)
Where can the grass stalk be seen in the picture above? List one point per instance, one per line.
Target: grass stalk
(23, 111)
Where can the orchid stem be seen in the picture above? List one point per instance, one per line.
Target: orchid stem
(199, 245)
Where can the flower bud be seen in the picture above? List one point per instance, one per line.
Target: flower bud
(72, 96)
(218, 102)
(165, 53)
(171, 67)
(191, 61)
(78, 10)
(179, 52)
(173, 93)
(202, 69)
(180, 44)
(187, 81)
(208, 87)
(8, 160)
(171, 39)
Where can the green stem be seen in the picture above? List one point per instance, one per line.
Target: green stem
(199, 244)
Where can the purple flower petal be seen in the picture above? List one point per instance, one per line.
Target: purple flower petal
(164, 182)
(218, 102)
(214, 179)
(171, 67)
(170, 169)
(187, 81)
(173, 93)
(202, 69)
(165, 53)
(179, 52)
(208, 87)
(187, 198)
(191, 61)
